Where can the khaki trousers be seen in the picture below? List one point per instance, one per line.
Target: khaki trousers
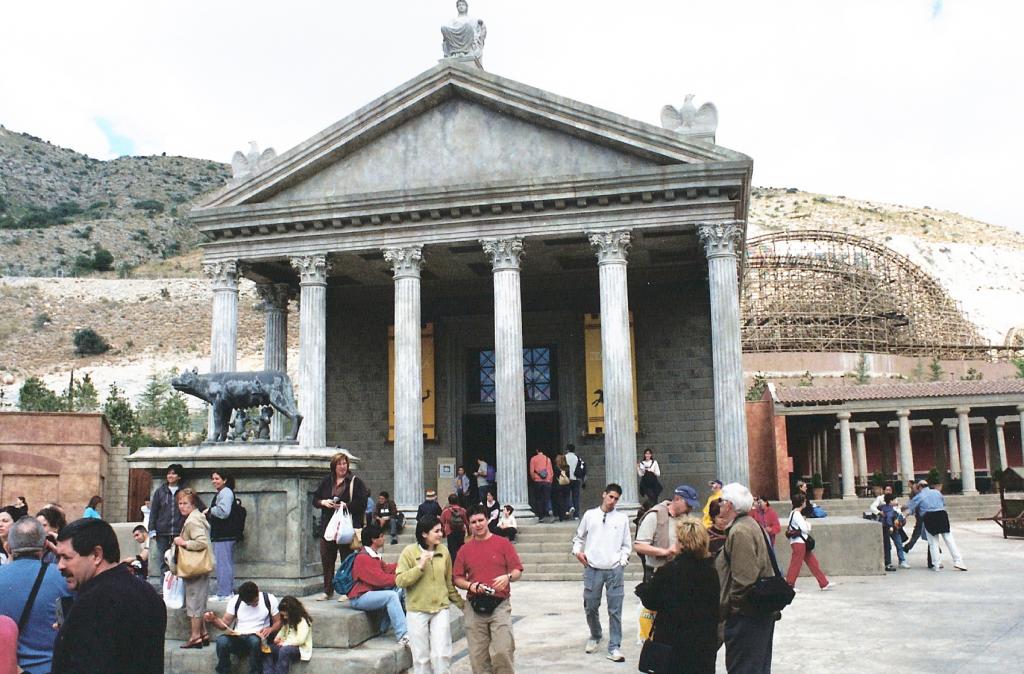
(491, 643)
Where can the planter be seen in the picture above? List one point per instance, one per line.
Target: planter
(817, 492)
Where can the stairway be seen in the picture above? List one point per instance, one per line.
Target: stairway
(544, 549)
(345, 641)
(960, 508)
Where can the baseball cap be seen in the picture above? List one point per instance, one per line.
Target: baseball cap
(688, 494)
(714, 482)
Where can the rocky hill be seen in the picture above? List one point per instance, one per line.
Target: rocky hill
(159, 317)
(59, 207)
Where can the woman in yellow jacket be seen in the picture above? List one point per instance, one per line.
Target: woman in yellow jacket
(425, 571)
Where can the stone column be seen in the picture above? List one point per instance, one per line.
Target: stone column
(862, 457)
(509, 397)
(275, 298)
(224, 321)
(966, 451)
(954, 451)
(906, 451)
(612, 248)
(721, 245)
(940, 453)
(1001, 443)
(846, 455)
(313, 271)
(406, 264)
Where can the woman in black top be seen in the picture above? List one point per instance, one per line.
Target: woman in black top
(340, 486)
(685, 592)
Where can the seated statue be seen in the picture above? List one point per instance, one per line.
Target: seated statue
(464, 36)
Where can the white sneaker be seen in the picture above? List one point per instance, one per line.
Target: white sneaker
(616, 656)
(591, 645)
(322, 597)
(959, 566)
(904, 564)
(830, 586)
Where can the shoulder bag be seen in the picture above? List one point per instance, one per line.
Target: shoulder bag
(797, 533)
(770, 594)
(656, 658)
(194, 563)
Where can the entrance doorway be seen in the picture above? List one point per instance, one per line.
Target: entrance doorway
(479, 439)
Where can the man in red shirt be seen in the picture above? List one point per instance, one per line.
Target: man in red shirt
(374, 587)
(540, 476)
(485, 567)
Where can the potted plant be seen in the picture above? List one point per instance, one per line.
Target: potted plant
(817, 487)
(877, 483)
(934, 481)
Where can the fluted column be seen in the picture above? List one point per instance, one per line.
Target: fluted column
(966, 451)
(275, 298)
(313, 271)
(722, 246)
(406, 264)
(846, 455)
(862, 457)
(612, 248)
(906, 451)
(509, 399)
(1001, 443)
(954, 452)
(224, 321)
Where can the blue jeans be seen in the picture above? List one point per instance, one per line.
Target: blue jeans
(892, 536)
(748, 644)
(542, 499)
(280, 659)
(378, 599)
(246, 644)
(224, 555)
(574, 489)
(611, 580)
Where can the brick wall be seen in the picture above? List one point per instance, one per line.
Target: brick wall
(115, 486)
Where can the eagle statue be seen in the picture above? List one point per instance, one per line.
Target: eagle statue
(689, 120)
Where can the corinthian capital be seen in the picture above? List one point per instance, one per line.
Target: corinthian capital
(721, 239)
(313, 269)
(223, 275)
(503, 253)
(405, 262)
(275, 296)
(612, 246)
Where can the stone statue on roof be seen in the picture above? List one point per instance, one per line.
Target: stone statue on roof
(689, 120)
(464, 36)
(244, 166)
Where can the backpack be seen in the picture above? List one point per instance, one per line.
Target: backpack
(234, 525)
(490, 473)
(456, 522)
(581, 469)
(343, 579)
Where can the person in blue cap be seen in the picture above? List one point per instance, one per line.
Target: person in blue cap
(656, 535)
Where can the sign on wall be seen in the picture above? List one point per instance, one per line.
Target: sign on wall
(595, 377)
(428, 394)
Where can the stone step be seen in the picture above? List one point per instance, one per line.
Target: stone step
(336, 625)
(381, 655)
(576, 576)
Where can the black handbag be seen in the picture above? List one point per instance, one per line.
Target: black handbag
(484, 604)
(771, 594)
(655, 657)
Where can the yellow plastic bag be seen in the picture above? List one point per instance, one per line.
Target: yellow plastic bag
(646, 623)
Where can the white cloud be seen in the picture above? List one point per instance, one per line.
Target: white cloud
(902, 102)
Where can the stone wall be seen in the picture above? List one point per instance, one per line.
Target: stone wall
(115, 487)
(672, 328)
(59, 457)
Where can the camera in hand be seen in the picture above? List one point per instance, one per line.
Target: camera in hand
(336, 499)
(487, 589)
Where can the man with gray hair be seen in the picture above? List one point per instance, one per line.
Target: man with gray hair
(29, 590)
(745, 558)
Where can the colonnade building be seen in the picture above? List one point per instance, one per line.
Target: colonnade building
(482, 269)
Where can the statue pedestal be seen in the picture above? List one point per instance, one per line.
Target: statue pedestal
(275, 483)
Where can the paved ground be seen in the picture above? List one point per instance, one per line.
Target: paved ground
(914, 620)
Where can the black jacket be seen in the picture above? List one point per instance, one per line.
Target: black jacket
(117, 624)
(164, 517)
(352, 491)
(427, 510)
(685, 592)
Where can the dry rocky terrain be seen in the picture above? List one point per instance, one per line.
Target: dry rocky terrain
(159, 317)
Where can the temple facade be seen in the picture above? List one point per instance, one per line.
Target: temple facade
(482, 269)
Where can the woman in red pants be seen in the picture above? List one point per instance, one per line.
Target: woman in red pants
(798, 531)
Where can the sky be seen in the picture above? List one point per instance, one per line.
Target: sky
(913, 102)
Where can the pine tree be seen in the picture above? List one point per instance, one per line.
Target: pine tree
(124, 425)
(36, 397)
(83, 396)
(935, 370)
(151, 401)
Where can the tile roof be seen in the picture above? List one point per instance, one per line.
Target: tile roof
(790, 395)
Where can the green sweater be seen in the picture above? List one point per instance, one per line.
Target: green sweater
(430, 589)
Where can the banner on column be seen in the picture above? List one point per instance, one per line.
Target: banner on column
(595, 377)
(427, 373)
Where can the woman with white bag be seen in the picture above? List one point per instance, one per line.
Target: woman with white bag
(194, 563)
(340, 490)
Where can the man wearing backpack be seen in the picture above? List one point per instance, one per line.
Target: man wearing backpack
(254, 617)
(453, 524)
(577, 474)
(541, 474)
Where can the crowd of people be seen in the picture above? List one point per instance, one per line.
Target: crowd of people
(701, 565)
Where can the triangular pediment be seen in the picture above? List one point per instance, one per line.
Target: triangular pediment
(456, 125)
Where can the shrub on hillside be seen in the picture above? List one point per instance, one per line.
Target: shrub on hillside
(89, 343)
(151, 206)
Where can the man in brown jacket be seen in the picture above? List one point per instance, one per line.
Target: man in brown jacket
(744, 559)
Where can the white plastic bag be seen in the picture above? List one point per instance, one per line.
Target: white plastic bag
(174, 591)
(339, 528)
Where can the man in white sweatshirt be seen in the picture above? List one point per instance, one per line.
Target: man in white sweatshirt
(602, 545)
